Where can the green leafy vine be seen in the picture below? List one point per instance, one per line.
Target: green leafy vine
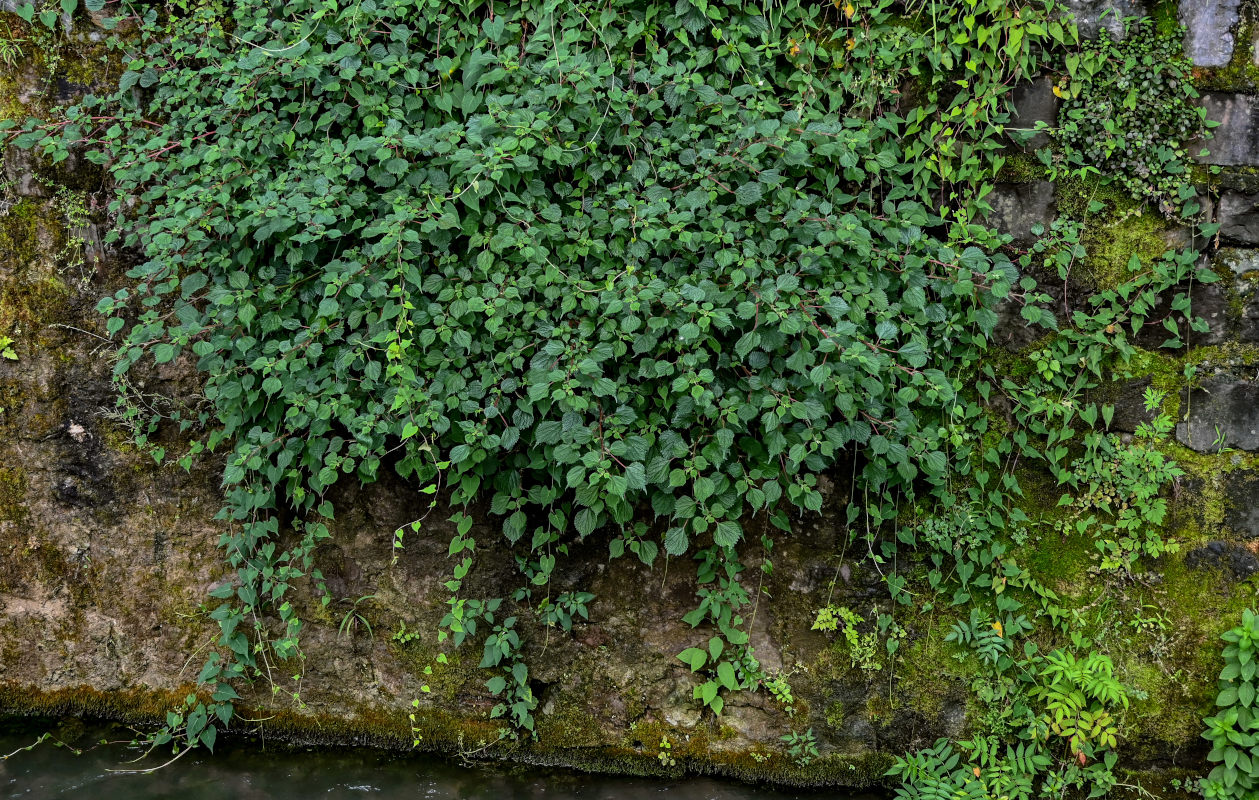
(640, 271)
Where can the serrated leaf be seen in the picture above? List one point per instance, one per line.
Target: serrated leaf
(747, 343)
(703, 488)
(727, 534)
(676, 541)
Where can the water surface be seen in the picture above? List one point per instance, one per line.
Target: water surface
(249, 773)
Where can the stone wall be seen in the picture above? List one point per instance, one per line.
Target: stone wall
(108, 558)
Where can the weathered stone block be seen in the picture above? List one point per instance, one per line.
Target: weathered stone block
(1017, 207)
(1012, 331)
(1236, 262)
(1239, 217)
(1235, 141)
(1034, 101)
(1234, 557)
(1223, 412)
(1209, 30)
(1248, 325)
(1242, 492)
(1130, 407)
(1211, 302)
(1241, 269)
(1093, 15)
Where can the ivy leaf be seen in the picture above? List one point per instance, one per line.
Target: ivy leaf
(693, 657)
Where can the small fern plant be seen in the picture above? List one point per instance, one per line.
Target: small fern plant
(1079, 695)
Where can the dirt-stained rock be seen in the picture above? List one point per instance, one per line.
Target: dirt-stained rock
(1237, 559)
(1222, 412)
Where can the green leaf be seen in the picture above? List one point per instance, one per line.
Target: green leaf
(728, 533)
(715, 647)
(747, 343)
(749, 193)
(693, 657)
(708, 692)
(163, 353)
(703, 488)
(676, 541)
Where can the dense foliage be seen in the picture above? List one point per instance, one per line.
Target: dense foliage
(1130, 112)
(639, 271)
(576, 263)
(1234, 730)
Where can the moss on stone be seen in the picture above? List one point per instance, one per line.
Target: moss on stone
(926, 676)
(1169, 713)
(1240, 74)
(1165, 14)
(1121, 228)
(1110, 245)
(1060, 562)
(19, 232)
(1021, 168)
(1165, 371)
(1073, 195)
(12, 495)
(1223, 356)
(145, 706)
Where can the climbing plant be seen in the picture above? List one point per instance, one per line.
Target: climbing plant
(639, 271)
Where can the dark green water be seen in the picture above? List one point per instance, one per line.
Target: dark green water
(246, 773)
